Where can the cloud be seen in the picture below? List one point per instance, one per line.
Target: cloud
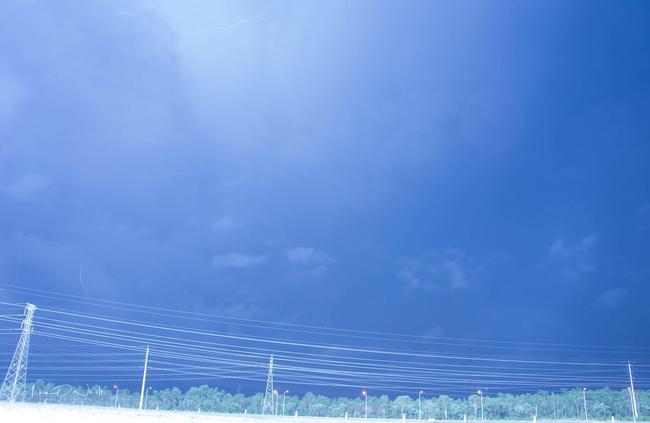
(450, 269)
(307, 255)
(25, 186)
(312, 261)
(11, 96)
(225, 223)
(611, 298)
(238, 260)
(433, 332)
(560, 249)
(574, 259)
(642, 219)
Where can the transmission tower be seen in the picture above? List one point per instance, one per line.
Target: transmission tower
(14, 383)
(268, 394)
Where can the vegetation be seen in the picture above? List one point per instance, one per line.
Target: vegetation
(567, 404)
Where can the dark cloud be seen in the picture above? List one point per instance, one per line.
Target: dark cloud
(99, 148)
(207, 156)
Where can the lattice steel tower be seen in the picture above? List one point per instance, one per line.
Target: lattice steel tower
(14, 383)
(268, 394)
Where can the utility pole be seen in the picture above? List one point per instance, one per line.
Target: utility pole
(144, 377)
(481, 395)
(268, 394)
(635, 410)
(365, 394)
(420, 405)
(284, 397)
(584, 401)
(16, 377)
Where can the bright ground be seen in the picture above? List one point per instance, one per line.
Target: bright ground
(76, 414)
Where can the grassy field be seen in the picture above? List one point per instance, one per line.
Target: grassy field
(51, 413)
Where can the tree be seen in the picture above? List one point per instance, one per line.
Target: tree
(402, 403)
(444, 404)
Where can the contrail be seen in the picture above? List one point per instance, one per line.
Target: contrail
(243, 21)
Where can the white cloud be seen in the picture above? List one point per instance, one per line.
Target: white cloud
(312, 262)
(611, 298)
(238, 260)
(307, 255)
(25, 186)
(560, 249)
(450, 269)
(575, 259)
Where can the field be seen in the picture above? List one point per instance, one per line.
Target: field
(23, 412)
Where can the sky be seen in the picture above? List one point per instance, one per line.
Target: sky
(454, 169)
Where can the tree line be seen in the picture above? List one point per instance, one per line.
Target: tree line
(601, 404)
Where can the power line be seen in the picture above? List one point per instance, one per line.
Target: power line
(193, 354)
(322, 330)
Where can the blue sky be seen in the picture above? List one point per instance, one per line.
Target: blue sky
(459, 169)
